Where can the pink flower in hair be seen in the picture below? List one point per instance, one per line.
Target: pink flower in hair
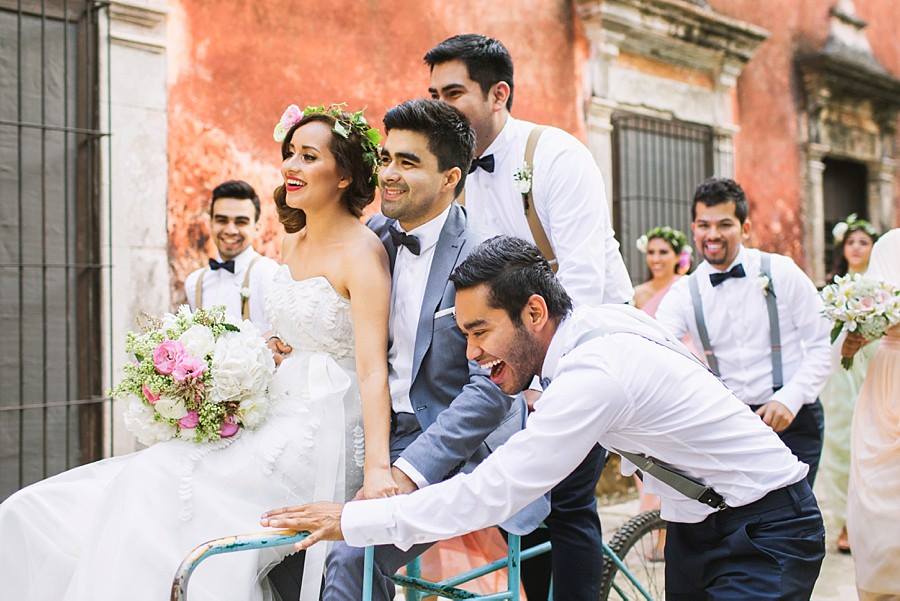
(289, 118)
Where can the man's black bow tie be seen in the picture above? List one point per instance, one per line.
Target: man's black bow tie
(735, 272)
(226, 265)
(486, 162)
(404, 239)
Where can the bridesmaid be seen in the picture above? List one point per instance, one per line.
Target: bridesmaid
(853, 240)
(668, 257)
(873, 504)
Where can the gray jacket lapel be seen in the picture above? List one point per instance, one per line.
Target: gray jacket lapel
(446, 253)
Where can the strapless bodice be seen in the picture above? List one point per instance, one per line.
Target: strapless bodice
(309, 314)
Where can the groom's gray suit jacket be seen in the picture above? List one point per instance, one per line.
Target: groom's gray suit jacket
(463, 415)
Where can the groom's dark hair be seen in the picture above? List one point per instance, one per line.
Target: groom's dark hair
(450, 137)
(513, 270)
(487, 60)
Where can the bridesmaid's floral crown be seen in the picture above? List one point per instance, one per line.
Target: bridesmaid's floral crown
(852, 223)
(344, 124)
(676, 239)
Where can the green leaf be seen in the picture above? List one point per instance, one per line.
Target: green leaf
(373, 135)
(847, 362)
(836, 331)
(341, 130)
(230, 327)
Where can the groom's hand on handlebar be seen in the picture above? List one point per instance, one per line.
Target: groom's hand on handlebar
(322, 520)
(279, 349)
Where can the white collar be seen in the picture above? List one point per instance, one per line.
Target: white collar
(560, 344)
(501, 143)
(429, 232)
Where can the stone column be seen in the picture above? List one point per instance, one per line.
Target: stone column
(814, 213)
(134, 173)
(599, 130)
(881, 193)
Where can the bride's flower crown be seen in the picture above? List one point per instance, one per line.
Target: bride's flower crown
(344, 124)
(842, 228)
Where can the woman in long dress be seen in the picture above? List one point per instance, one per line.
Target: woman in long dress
(853, 245)
(118, 528)
(873, 504)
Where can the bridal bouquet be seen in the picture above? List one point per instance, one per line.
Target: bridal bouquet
(859, 304)
(195, 376)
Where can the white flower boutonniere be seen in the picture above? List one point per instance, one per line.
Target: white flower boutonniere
(245, 292)
(522, 177)
(764, 284)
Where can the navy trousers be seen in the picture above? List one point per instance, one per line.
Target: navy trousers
(573, 526)
(767, 550)
(805, 435)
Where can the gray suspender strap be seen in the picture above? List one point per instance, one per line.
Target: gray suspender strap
(198, 290)
(534, 223)
(689, 487)
(701, 324)
(774, 326)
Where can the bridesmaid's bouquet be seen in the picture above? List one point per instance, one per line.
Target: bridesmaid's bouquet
(859, 304)
(195, 376)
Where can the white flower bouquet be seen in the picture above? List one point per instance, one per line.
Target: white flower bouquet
(859, 304)
(195, 376)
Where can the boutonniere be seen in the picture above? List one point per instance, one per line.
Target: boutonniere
(764, 284)
(522, 178)
(245, 292)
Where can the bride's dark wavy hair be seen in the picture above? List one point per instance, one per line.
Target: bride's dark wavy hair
(349, 155)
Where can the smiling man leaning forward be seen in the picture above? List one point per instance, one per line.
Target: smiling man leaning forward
(615, 377)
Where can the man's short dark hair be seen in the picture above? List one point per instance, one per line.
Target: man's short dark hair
(719, 190)
(513, 270)
(487, 60)
(450, 137)
(235, 188)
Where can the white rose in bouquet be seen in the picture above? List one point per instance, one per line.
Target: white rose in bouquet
(253, 411)
(139, 420)
(170, 408)
(242, 366)
(198, 340)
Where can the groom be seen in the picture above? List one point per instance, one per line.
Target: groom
(447, 415)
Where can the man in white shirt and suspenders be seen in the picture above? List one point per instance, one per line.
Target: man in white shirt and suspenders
(758, 318)
(743, 523)
(540, 184)
(238, 276)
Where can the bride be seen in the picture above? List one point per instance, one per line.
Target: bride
(119, 528)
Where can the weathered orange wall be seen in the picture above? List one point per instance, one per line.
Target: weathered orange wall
(769, 97)
(235, 65)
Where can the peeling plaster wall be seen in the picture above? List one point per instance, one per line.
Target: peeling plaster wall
(767, 153)
(235, 65)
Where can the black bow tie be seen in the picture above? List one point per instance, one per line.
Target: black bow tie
(226, 265)
(735, 272)
(486, 162)
(404, 239)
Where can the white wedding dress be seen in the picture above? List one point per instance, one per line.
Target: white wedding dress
(119, 528)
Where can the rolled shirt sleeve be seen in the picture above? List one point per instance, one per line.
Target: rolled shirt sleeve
(560, 433)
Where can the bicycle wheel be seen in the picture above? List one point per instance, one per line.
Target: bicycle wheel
(638, 544)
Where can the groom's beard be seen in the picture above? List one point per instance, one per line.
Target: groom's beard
(523, 361)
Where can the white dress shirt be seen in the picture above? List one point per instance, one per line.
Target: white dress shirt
(407, 293)
(570, 199)
(738, 325)
(622, 391)
(221, 287)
